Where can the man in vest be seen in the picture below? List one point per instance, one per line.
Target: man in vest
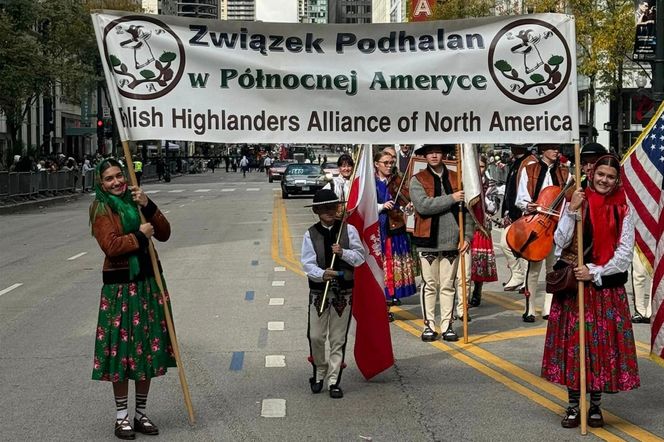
(537, 176)
(403, 158)
(319, 245)
(510, 212)
(590, 152)
(436, 235)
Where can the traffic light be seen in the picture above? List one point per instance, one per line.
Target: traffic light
(100, 129)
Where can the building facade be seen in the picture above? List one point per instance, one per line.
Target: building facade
(313, 11)
(240, 10)
(349, 11)
(389, 11)
(191, 8)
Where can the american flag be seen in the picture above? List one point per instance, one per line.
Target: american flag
(643, 170)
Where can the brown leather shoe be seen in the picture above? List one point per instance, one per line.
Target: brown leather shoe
(572, 418)
(123, 429)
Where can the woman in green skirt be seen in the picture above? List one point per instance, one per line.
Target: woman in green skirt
(131, 341)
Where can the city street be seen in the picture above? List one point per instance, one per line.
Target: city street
(239, 299)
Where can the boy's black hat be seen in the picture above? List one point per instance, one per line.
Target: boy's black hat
(324, 197)
(593, 148)
(426, 148)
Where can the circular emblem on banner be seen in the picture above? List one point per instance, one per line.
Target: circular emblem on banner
(146, 57)
(530, 61)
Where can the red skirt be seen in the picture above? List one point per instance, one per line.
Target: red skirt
(611, 364)
(483, 259)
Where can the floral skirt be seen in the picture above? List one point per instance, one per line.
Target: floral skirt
(483, 258)
(399, 267)
(132, 340)
(611, 364)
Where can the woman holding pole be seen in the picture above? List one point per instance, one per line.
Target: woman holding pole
(608, 244)
(131, 340)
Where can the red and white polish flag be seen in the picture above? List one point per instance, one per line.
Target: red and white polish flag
(373, 343)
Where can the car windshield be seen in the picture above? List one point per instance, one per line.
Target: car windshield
(303, 169)
(280, 164)
(330, 166)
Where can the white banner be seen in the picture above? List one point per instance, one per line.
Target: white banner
(491, 80)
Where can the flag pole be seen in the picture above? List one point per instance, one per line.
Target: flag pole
(580, 297)
(462, 259)
(160, 284)
(343, 220)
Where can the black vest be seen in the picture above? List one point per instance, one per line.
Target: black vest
(322, 240)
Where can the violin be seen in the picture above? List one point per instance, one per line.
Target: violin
(531, 236)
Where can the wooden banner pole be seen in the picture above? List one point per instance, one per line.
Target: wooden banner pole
(160, 284)
(462, 258)
(583, 406)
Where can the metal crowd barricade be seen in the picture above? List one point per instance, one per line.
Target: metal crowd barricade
(30, 184)
(4, 184)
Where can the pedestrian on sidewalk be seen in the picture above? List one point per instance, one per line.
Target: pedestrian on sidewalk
(608, 242)
(131, 341)
(318, 246)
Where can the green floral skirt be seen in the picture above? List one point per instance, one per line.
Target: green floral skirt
(132, 340)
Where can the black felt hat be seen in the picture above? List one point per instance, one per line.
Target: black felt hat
(324, 197)
(593, 148)
(426, 148)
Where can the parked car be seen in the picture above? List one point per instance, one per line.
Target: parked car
(330, 170)
(302, 179)
(277, 169)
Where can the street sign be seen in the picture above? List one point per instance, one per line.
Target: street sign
(106, 112)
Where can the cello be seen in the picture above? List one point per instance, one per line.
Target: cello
(531, 236)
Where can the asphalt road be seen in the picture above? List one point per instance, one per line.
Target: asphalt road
(234, 252)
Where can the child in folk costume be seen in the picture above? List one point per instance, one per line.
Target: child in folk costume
(132, 340)
(398, 263)
(608, 242)
(318, 247)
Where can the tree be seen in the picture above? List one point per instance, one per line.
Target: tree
(605, 40)
(46, 46)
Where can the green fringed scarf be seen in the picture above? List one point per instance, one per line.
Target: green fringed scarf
(124, 206)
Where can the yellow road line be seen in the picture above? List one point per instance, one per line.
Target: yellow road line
(508, 367)
(276, 257)
(501, 378)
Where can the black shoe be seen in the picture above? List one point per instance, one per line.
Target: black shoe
(390, 316)
(145, 426)
(528, 318)
(572, 418)
(638, 318)
(475, 301)
(545, 317)
(461, 318)
(429, 335)
(123, 429)
(336, 392)
(595, 418)
(316, 387)
(395, 301)
(450, 335)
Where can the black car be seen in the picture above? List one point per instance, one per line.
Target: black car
(300, 179)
